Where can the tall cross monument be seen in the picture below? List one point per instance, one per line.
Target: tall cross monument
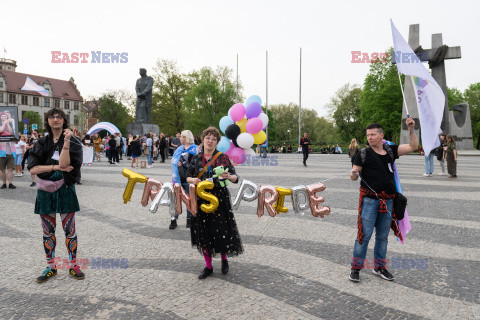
(436, 57)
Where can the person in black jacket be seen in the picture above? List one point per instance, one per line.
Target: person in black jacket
(305, 143)
(112, 150)
(162, 145)
(56, 159)
(136, 147)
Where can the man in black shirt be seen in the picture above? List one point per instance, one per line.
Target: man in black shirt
(377, 191)
(305, 143)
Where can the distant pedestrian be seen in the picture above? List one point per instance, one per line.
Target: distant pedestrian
(20, 149)
(451, 156)
(136, 149)
(7, 163)
(149, 144)
(440, 154)
(305, 143)
(353, 149)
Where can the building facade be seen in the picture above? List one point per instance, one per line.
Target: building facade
(62, 94)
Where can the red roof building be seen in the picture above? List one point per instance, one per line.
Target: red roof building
(63, 94)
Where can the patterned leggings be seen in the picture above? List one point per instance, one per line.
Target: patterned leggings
(49, 241)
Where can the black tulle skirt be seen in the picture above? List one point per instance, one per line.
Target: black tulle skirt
(216, 232)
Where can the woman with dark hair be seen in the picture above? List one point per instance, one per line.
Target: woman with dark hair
(451, 156)
(136, 149)
(215, 232)
(56, 159)
(112, 150)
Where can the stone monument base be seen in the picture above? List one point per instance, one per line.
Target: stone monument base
(137, 128)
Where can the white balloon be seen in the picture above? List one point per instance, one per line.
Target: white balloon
(264, 119)
(245, 140)
(249, 151)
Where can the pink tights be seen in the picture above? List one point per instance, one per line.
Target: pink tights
(208, 259)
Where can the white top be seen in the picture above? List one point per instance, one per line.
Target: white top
(18, 147)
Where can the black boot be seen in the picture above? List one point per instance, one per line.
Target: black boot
(224, 266)
(205, 273)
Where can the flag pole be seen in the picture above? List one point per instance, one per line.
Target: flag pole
(403, 94)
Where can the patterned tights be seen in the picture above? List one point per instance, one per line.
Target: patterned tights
(49, 241)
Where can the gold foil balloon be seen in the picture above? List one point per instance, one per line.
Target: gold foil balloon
(190, 200)
(282, 192)
(152, 186)
(213, 205)
(248, 191)
(315, 200)
(133, 178)
(264, 202)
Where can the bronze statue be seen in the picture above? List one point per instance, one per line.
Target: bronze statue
(144, 98)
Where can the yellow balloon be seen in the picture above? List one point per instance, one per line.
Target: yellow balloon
(259, 138)
(201, 186)
(242, 123)
(282, 192)
(133, 178)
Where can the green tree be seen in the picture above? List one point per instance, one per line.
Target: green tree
(346, 112)
(169, 90)
(113, 111)
(33, 118)
(212, 94)
(472, 96)
(455, 97)
(381, 99)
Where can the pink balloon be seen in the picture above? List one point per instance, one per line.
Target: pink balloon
(254, 125)
(237, 155)
(237, 112)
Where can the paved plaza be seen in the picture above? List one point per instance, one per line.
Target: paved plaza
(294, 266)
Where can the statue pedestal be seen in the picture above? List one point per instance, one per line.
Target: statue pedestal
(139, 129)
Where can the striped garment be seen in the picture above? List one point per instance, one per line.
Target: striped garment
(3, 149)
(364, 192)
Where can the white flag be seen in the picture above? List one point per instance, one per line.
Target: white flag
(430, 97)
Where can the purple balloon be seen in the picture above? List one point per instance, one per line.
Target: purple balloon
(254, 125)
(253, 110)
(237, 112)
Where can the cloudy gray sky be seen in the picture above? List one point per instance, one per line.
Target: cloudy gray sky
(209, 33)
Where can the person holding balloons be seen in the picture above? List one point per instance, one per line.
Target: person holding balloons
(214, 232)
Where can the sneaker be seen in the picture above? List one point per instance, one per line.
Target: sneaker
(77, 273)
(4, 186)
(173, 224)
(384, 274)
(189, 223)
(20, 174)
(33, 184)
(452, 177)
(354, 275)
(426, 175)
(442, 173)
(11, 186)
(47, 274)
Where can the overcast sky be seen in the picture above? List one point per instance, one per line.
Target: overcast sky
(200, 33)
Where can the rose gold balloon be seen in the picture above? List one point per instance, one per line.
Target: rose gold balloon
(190, 200)
(152, 186)
(266, 202)
(315, 200)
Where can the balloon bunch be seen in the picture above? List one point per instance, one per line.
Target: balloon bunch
(243, 127)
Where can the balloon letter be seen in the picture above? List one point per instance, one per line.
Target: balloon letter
(248, 191)
(165, 192)
(148, 192)
(282, 192)
(190, 200)
(207, 184)
(300, 199)
(133, 178)
(267, 203)
(315, 200)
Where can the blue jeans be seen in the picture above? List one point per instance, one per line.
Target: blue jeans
(150, 156)
(371, 218)
(185, 187)
(429, 163)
